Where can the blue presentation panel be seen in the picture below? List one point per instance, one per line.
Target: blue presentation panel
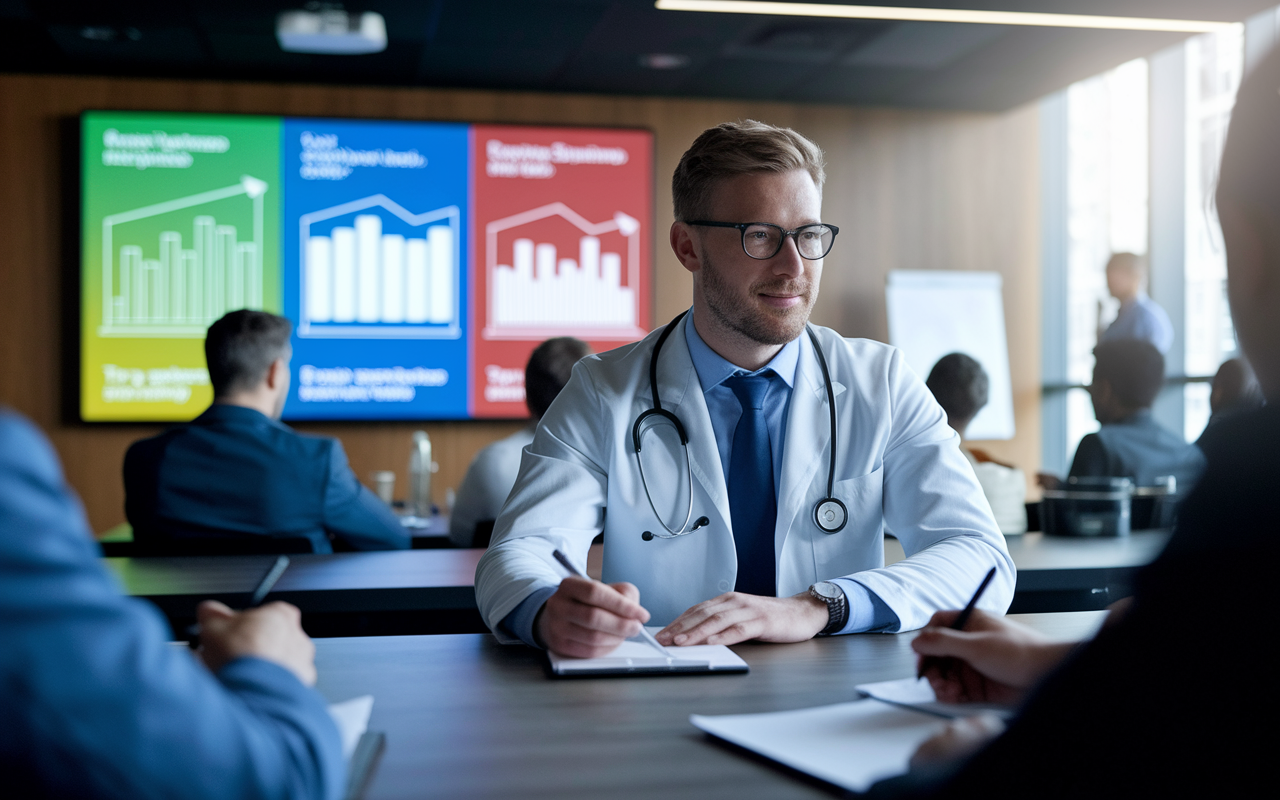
(374, 239)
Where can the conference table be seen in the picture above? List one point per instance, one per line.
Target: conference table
(432, 591)
(467, 717)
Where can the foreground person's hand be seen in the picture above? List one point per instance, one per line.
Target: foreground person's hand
(272, 632)
(588, 619)
(737, 617)
(960, 739)
(993, 660)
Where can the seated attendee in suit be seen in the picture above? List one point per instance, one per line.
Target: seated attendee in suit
(96, 703)
(1156, 705)
(1140, 317)
(1127, 376)
(493, 471)
(1235, 389)
(236, 472)
(960, 385)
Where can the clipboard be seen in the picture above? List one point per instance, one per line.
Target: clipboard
(636, 657)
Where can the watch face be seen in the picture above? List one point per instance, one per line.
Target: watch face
(826, 590)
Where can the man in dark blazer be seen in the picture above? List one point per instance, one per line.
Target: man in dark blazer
(236, 471)
(1171, 699)
(93, 700)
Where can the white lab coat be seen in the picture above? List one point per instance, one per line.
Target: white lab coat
(898, 466)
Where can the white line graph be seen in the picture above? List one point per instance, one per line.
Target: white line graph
(359, 282)
(537, 292)
(179, 293)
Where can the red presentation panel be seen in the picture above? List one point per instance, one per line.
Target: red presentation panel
(562, 227)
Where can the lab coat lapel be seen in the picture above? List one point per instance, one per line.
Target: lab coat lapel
(805, 457)
(680, 390)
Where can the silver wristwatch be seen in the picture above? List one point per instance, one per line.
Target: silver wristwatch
(837, 605)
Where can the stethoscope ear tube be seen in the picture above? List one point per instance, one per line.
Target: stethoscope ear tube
(830, 515)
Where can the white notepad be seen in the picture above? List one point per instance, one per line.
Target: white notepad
(636, 657)
(918, 694)
(851, 745)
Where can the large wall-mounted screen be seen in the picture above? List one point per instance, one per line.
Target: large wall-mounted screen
(419, 262)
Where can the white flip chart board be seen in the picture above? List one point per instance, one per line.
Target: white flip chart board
(936, 312)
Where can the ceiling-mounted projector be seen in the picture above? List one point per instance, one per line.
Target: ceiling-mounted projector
(331, 32)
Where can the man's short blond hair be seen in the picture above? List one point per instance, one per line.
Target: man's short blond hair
(739, 148)
(1128, 263)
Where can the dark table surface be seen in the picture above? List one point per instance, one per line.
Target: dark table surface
(466, 717)
(1054, 574)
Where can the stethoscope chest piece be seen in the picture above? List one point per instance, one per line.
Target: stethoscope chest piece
(831, 515)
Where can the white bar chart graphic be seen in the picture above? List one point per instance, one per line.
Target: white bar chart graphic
(181, 291)
(538, 290)
(358, 281)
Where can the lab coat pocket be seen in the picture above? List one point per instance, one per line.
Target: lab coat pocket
(859, 545)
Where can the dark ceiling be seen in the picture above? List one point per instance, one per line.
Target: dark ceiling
(602, 46)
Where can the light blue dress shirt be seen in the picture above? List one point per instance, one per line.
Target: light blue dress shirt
(867, 612)
(1141, 318)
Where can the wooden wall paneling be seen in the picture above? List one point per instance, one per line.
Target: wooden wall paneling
(910, 190)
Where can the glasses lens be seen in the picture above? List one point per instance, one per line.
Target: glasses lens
(761, 241)
(813, 241)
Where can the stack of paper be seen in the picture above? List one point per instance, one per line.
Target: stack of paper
(635, 656)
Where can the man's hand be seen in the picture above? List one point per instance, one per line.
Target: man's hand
(1047, 480)
(272, 632)
(588, 619)
(992, 660)
(736, 617)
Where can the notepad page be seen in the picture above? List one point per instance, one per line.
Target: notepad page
(637, 654)
(917, 693)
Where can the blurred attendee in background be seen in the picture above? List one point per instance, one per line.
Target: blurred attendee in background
(1138, 712)
(1235, 389)
(94, 700)
(235, 473)
(960, 385)
(493, 471)
(1127, 376)
(1140, 317)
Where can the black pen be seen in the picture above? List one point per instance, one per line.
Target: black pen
(644, 632)
(260, 593)
(959, 623)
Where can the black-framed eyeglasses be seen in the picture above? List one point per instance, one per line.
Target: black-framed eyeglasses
(762, 240)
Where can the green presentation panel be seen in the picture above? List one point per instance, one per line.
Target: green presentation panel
(181, 223)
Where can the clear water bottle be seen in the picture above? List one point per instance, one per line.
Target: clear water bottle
(420, 476)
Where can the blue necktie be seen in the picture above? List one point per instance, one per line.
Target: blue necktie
(753, 506)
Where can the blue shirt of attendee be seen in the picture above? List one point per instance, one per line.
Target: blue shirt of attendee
(1141, 318)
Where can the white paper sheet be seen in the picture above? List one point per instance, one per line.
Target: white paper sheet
(352, 719)
(852, 745)
(635, 655)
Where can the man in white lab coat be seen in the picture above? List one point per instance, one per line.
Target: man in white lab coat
(756, 530)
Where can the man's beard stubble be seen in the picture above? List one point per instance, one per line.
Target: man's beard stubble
(759, 325)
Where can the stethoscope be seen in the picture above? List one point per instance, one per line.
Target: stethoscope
(829, 514)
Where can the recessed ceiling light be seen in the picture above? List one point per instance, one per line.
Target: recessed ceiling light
(664, 61)
(331, 32)
(944, 15)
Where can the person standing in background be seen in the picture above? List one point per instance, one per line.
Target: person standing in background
(493, 471)
(1140, 317)
(960, 385)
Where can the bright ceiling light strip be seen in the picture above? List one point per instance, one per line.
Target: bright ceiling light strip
(945, 15)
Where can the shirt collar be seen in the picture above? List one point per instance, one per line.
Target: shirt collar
(713, 369)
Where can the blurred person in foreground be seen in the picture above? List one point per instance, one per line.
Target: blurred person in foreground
(1140, 317)
(237, 472)
(494, 469)
(960, 385)
(1127, 377)
(1161, 702)
(96, 703)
